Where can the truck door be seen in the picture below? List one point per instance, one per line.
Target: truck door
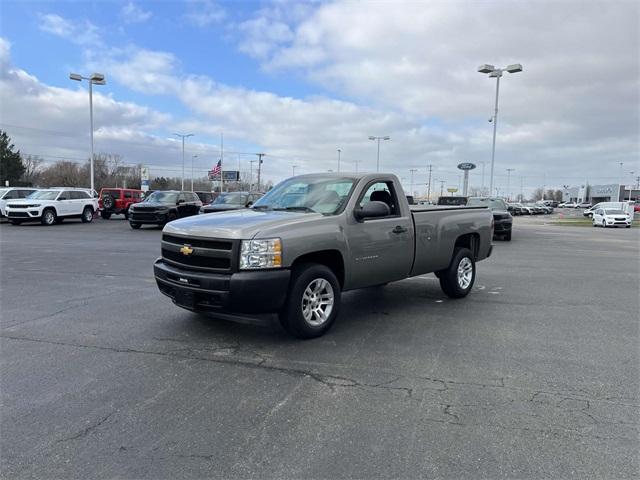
(381, 248)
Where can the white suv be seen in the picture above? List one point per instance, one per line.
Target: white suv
(53, 206)
(12, 193)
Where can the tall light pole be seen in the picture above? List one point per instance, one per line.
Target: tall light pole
(386, 137)
(509, 170)
(94, 79)
(183, 136)
(357, 161)
(482, 187)
(251, 162)
(441, 187)
(412, 170)
(293, 170)
(429, 184)
(497, 73)
(339, 151)
(621, 180)
(193, 157)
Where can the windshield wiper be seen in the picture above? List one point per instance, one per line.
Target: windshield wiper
(261, 207)
(298, 209)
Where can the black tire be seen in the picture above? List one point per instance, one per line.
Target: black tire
(105, 215)
(108, 202)
(627, 226)
(135, 225)
(48, 216)
(15, 222)
(507, 236)
(449, 277)
(126, 214)
(292, 317)
(87, 215)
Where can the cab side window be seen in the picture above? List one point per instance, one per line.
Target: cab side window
(382, 192)
(65, 196)
(127, 194)
(182, 198)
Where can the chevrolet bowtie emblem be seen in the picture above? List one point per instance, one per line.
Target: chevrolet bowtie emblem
(186, 250)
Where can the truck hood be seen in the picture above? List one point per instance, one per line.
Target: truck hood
(236, 224)
(152, 205)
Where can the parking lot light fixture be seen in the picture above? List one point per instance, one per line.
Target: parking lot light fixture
(183, 136)
(496, 73)
(386, 137)
(94, 79)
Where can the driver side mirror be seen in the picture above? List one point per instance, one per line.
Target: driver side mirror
(180, 202)
(373, 209)
(249, 204)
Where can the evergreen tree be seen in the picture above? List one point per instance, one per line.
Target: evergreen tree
(11, 167)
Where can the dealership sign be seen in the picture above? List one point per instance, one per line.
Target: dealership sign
(466, 166)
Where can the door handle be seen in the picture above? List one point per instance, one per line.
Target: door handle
(399, 229)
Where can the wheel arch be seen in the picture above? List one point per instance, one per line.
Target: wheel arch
(332, 259)
(470, 241)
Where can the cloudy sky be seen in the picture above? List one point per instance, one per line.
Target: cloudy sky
(300, 80)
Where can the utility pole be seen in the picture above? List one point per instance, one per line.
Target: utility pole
(221, 163)
(183, 136)
(293, 170)
(193, 157)
(509, 170)
(260, 155)
(429, 184)
(339, 160)
(441, 187)
(251, 162)
(412, 170)
(482, 187)
(357, 165)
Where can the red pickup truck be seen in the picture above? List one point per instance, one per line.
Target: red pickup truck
(114, 201)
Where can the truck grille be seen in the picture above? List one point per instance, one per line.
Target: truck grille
(144, 209)
(18, 214)
(144, 216)
(209, 255)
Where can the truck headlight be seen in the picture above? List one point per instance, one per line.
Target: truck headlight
(264, 253)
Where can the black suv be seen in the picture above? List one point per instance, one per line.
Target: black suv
(162, 207)
(231, 201)
(502, 219)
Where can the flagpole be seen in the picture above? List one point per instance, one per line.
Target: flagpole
(221, 162)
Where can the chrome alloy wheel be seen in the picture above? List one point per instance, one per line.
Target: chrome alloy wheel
(465, 273)
(49, 217)
(317, 302)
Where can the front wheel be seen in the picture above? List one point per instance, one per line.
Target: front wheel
(87, 215)
(313, 302)
(457, 280)
(507, 237)
(48, 217)
(15, 222)
(134, 225)
(604, 224)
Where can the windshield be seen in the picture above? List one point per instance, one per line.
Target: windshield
(162, 197)
(2, 192)
(613, 212)
(45, 195)
(326, 195)
(231, 199)
(492, 203)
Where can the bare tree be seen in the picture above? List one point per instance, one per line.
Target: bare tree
(32, 166)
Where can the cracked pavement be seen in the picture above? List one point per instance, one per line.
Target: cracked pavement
(534, 375)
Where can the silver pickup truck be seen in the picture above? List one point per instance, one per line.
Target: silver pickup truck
(312, 237)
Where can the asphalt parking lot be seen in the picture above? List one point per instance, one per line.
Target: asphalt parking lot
(534, 375)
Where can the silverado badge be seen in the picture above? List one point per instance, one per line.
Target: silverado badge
(186, 250)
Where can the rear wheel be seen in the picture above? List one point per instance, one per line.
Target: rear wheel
(457, 280)
(135, 225)
(313, 302)
(87, 215)
(48, 217)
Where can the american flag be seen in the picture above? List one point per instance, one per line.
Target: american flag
(217, 169)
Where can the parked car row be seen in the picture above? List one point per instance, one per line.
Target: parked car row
(529, 209)
(54, 205)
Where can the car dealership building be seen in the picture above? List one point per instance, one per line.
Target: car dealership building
(601, 193)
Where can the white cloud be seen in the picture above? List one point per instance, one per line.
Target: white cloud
(203, 13)
(82, 33)
(132, 13)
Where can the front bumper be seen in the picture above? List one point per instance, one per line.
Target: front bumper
(148, 217)
(242, 292)
(502, 226)
(23, 214)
